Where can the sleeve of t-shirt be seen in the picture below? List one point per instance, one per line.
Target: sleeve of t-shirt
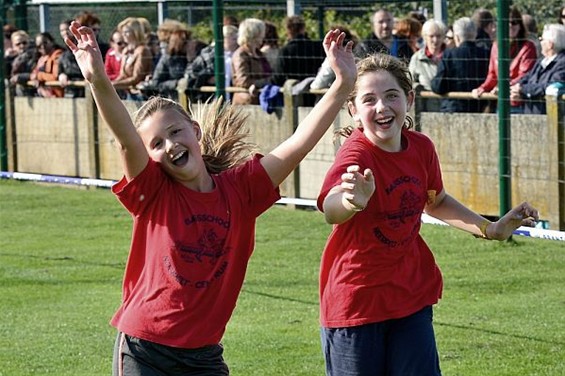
(435, 181)
(137, 194)
(254, 185)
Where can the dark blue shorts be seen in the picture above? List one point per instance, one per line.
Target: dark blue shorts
(396, 347)
(134, 356)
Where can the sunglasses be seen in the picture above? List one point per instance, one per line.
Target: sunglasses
(120, 43)
(21, 44)
(514, 22)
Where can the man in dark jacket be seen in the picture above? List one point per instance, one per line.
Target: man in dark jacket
(550, 69)
(301, 57)
(382, 39)
(462, 68)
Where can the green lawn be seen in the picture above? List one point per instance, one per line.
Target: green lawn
(62, 255)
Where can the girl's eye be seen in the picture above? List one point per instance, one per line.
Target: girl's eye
(157, 144)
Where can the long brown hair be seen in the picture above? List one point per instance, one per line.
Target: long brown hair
(224, 134)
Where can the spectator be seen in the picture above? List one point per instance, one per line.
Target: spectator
(47, 67)
(68, 68)
(201, 71)
(23, 63)
(154, 46)
(300, 57)
(409, 30)
(64, 29)
(170, 68)
(462, 68)
(231, 20)
(326, 75)
(10, 52)
(165, 29)
(523, 54)
(418, 16)
(230, 45)
(532, 32)
(449, 42)
(270, 46)
(486, 27)
(137, 61)
(424, 63)
(548, 70)
(91, 20)
(561, 16)
(250, 68)
(383, 40)
(113, 60)
(8, 47)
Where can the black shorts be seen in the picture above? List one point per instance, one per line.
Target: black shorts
(134, 356)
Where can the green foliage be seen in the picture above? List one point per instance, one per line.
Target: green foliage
(63, 252)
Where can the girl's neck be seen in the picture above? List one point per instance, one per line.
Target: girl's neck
(204, 184)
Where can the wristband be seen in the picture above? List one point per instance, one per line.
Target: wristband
(483, 227)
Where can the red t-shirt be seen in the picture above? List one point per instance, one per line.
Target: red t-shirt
(189, 252)
(376, 266)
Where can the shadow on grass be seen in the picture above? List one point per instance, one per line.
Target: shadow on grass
(279, 297)
(498, 333)
(116, 265)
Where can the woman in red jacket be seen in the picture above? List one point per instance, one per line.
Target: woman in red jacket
(523, 54)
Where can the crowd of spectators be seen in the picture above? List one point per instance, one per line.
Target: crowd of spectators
(141, 62)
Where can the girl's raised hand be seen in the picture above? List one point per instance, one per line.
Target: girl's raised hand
(86, 51)
(340, 57)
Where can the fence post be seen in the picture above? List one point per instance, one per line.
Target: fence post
(92, 134)
(292, 183)
(555, 105)
(10, 118)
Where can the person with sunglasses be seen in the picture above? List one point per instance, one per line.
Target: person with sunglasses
(113, 59)
(69, 70)
(523, 54)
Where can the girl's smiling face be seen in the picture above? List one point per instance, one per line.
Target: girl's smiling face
(171, 139)
(381, 107)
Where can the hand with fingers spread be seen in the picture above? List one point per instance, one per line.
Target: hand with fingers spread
(521, 215)
(340, 56)
(357, 187)
(87, 52)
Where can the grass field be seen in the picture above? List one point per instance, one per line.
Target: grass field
(63, 250)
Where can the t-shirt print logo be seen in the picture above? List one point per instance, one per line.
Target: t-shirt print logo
(208, 247)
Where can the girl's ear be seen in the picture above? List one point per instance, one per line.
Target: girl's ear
(353, 111)
(410, 100)
(197, 130)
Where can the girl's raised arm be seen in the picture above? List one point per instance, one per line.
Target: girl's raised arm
(284, 158)
(88, 56)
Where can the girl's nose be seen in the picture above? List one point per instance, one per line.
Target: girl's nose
(169, 145)
(380, 106)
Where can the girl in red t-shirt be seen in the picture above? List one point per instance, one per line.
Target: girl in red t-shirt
(194, 193)
(378, 278)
